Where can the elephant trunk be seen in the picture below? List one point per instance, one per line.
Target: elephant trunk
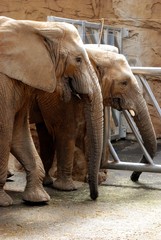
(146, 129)
(90, 92)
(94, 127)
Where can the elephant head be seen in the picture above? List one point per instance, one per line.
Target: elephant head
(121, 90)
(43, 54)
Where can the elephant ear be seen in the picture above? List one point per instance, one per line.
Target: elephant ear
(24, 56)
(4, 19)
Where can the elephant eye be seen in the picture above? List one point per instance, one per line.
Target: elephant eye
(97, 67)
(78, 59)
(124, 83)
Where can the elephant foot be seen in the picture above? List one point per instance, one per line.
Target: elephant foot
(47, 181)
(102, 176)
(64, 185)
(135, 176)
(35, 195)
(5, 199)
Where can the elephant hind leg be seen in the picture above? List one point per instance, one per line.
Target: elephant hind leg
(47, 150)
(64, 184)
(5, 140)
(65, 154)
(24, 150)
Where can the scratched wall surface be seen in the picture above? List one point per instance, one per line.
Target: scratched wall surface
(40, 9)
(142, 46)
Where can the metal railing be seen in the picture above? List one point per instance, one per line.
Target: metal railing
(117, 164)
(90, 31)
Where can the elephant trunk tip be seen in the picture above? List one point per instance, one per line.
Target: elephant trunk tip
(93, 192)
(94, 195)
(135, 176)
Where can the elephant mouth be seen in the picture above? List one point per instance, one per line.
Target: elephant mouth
(117, 103)
(73, 90)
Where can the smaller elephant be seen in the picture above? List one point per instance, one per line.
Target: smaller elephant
(62, 133)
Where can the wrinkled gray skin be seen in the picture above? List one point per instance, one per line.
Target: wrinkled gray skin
(38, 55)
(119, 89)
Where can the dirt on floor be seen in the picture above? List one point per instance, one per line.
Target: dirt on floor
(123, 211)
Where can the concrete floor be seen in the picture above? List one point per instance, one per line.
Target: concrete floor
(123, 211)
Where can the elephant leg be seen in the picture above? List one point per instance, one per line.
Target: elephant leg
(47, 150)
(65, 144)
(24, 150)
(5, 142)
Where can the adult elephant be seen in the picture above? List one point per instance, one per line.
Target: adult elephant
(120, 90)
(37, 55)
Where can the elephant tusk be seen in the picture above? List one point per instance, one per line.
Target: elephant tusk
(77, 95)
(132, 112)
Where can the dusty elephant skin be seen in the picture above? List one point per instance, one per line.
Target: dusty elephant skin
(35, 55)
(119, 89)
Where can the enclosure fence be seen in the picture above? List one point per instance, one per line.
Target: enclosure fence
(90, 32)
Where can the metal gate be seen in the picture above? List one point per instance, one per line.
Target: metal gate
(90, 32)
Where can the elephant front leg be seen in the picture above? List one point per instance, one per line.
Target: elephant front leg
(65, 153)
(24, 150)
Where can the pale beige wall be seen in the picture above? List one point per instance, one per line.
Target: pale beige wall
(40, 9)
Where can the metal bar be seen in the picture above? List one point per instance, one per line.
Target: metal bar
(111, 37)
(112, 150)
(142, 167)
(79, 22)
(115, 117)
(83, 32)
(146, 70)
(113, 153)
(132, 125)
(151, 95)
(105, 35)
(67, 20)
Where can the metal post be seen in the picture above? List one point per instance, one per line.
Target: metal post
(112, 150)
(154, 71)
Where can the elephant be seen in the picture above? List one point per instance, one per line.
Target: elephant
(35, 57)
(120, 90)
